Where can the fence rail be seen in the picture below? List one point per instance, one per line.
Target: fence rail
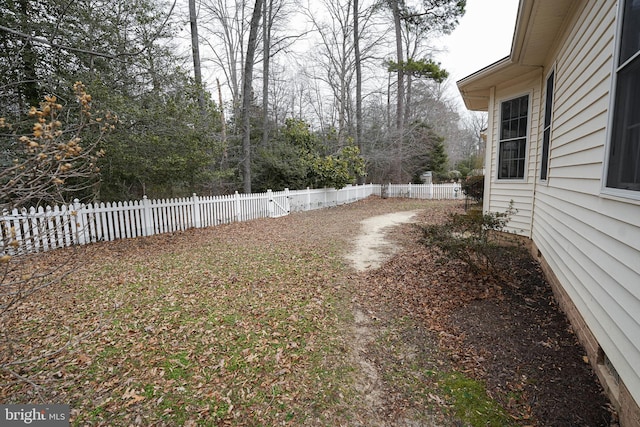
(46, 228)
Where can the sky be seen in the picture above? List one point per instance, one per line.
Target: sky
(483, 36)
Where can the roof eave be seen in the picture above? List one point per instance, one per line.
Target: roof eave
(476, 88)
(475, 96)
(537, 24)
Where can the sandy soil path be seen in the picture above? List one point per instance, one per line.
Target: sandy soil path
(371, 246)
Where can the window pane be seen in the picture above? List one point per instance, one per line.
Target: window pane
(630, 30)
(512, 157)
(513, 142)
(546, 136)
(524, 106)
(549, 100)
(506, 110)
(522, 127)
(624, 155)
(545, 153)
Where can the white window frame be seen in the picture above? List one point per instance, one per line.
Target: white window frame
(527, 137)
(611, 191)
(542, 116)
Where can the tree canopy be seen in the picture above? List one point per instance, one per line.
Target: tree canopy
(323, 116)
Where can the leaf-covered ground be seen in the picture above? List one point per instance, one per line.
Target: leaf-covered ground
(506, 354)
(265, 323)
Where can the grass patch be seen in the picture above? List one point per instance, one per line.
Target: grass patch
(412, 366)
(236, 334)
(469, 401)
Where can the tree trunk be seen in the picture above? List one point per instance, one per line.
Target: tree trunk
(223, 133)
(407, 104)
(356, 46)
(246, 94)
(266, 37)
(195, 49)
(397, 163)
(400, 59)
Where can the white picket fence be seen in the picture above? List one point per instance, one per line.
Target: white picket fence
(423, 191)
(45, 228)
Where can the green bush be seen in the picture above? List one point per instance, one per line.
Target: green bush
(473, 187)
(475, 239)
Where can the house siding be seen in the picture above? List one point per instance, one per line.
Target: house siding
(587, 237)
(590, 241)
(520, 192)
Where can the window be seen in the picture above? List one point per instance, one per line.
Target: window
(546, 135)
(624, 152)
(513, 138)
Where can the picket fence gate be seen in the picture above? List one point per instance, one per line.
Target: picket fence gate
(45, 228)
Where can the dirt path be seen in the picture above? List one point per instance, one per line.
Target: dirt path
(372, 247)
(427, 339)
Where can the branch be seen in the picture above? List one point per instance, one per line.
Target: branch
(42, 40)
(52, 44)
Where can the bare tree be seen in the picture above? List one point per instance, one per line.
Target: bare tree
(431, 16)
(476, 123)
(225, 29)
(394, 5)
(246, 95)
(195, 50)
(267, 24)
(358, 65)
(336, 57)
(274, 14)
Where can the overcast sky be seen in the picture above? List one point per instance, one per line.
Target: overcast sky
(483, 36)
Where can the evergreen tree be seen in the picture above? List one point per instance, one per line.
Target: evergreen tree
(438, 161)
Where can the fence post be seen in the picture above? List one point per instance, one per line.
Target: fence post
(307, 203)
(409, 190)
(431, 190)
(270, 207)
(287, 201)
(78, 223)
(236, 204)
(147, 216)
(195, 213)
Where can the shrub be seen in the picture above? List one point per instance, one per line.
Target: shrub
(473, 187)
(54, 158)
(473, 238)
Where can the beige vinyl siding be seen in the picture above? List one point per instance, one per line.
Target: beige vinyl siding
(520, 191)
(587, 49)
(598, 267)
(591, 241)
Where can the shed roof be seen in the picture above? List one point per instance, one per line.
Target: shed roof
(538, 24)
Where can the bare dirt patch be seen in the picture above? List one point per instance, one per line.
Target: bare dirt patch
(372, 246)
